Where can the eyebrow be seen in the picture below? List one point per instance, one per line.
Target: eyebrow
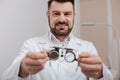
(64, 12)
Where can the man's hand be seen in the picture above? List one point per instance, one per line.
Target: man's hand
(32, 63)
(91, 65)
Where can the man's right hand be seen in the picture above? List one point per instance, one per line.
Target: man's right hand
(32, 63)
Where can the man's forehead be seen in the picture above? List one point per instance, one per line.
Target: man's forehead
(57, 6)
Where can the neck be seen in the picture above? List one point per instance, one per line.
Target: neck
(61, 38)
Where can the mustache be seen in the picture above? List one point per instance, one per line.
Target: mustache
(61, 23)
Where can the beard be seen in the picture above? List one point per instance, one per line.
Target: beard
(61, 32)
(57, 32)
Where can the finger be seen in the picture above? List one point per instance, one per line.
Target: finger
(90, 68)
(36, 68)
(89, 74)
(95, 75)
(45, 53)
(84, 55)
(34, 62)
(39, 55)
(91, 60)
(33, 71)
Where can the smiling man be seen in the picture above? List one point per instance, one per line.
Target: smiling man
(33, 63)
(61, 18)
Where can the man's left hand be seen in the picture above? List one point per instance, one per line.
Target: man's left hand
(91, 65)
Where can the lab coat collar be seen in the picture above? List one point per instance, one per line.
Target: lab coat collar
(71, 40)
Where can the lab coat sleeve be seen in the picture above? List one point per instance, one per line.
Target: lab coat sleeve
(107, 75)
(12, 72)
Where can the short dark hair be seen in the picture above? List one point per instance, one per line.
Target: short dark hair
(60, 1)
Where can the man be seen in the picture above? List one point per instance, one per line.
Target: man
(33, 63)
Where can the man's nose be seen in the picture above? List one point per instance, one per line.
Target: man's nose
(62, 18)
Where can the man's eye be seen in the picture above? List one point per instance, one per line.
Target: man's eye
(56, 14)
(67, 14)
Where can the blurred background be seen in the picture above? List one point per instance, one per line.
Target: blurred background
(100, 23)
(96, 21)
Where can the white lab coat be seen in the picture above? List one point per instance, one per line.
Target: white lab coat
(54, 70)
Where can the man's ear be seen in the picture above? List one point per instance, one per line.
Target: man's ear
(47, 14)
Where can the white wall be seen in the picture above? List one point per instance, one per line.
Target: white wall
(20, 20)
